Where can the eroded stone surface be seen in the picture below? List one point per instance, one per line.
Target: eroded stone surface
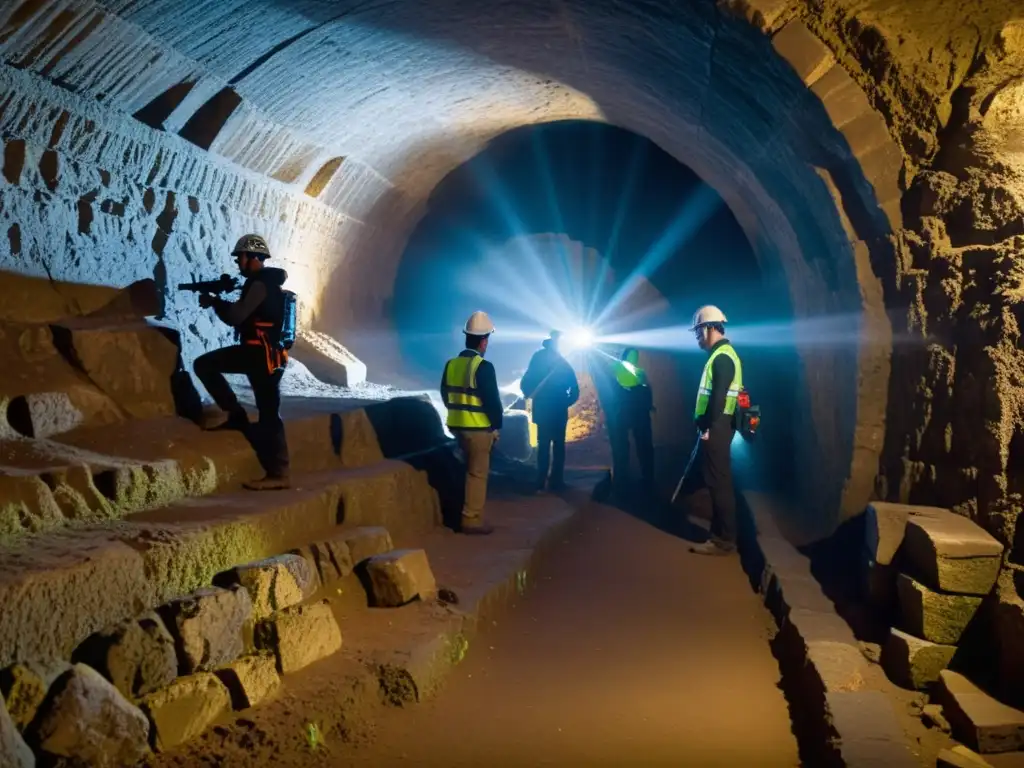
(400, 576)
(912, 662)
(274, 583)
(333, 559)
(14, 752)
(24, 686)
(207, 626)
(869, 732)
(89, 720)
(300, 636)
(186, 708)
(366, 541)
(951, 553)
(932, 615)
(884, 528)
(977, 719)
(138, 656)
(960, 757)
(250, 680)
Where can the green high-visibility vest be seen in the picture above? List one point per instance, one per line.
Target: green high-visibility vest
(628, 373)
(704, 391)
(462, 398)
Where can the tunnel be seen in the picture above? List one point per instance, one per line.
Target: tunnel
(844, 179)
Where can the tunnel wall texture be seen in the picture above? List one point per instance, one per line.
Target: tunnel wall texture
(139, 141)
(136, 145)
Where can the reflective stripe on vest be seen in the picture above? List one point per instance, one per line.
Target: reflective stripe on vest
(462, 398)
(704, 391)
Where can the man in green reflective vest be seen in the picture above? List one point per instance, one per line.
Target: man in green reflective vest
(469, 389)
(711, 469)
(631, 414)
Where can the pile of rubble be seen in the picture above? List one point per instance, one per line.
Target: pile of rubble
(165, 676)
(932, 569)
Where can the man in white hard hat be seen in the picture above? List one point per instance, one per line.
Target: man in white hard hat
(469, 389)
(717, 395)
(257, 318)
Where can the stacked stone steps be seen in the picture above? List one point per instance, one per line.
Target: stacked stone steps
(112, 472)
(937, 567)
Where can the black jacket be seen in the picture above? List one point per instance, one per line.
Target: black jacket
(552, 383)
(486, 383)
(260, 302)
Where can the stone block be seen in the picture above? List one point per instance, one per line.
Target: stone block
(810, 57)
(250, 680)
(960, 757)
(87, 721)
(273, 584)
(14, 752)
(932, 615)
(400, 576)
(333, 559)
(951, 553)
(207, 625)
(931, 715)
(300, 636)
(885, 525)
(137, 656)
(842, 98)
(977, 719)
(365, 542)
(912, 662)
(25, 686)
(308, 554)
(869, 731)
(185, 709)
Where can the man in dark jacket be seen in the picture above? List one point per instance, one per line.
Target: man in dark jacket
(254, 316)
(551, 382)
(631, 413)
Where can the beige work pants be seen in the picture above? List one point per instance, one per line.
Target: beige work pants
(476, 447)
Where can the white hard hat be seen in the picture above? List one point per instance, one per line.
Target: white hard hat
(479, 324)
(706, 315)
(253, 244)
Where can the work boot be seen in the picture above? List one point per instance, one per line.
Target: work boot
(475, 528)
(268, 483)
(712, 547)
(238, 421)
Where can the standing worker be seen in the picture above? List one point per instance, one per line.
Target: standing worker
(469, 389)
(633, 403)
(551, 382)
(258, 317)
(711, 470)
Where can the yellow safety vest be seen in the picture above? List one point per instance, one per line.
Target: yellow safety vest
(462, 398)
(628, 373)
(704, 391)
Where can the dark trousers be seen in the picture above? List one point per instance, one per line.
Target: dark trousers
(551, 452)
(268, 437)
(620, 428)
(710, 481)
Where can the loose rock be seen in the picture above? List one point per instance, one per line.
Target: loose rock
(871, 651)
(186, 708)
(912, 662)
(334, 559)
(931, 615)
(367, 541)
(309, 555)
(977, 719)
(25, 687)
(90, 721)
(299, 636)
(250, 680)
(952, 553)
(884, 528)
(137, 656)
(960, 757)
(933, 717)
(207, 625)
(273, 584)
(400, 576)
(14, 752)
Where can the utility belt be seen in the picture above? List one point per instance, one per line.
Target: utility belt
(747, 416)
(276, 358)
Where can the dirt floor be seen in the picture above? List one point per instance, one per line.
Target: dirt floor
(630, 651)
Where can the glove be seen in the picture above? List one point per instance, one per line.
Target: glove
(206, 300)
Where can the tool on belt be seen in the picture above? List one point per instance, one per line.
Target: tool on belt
(277, 338)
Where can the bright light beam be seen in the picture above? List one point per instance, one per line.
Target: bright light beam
(579, 338)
